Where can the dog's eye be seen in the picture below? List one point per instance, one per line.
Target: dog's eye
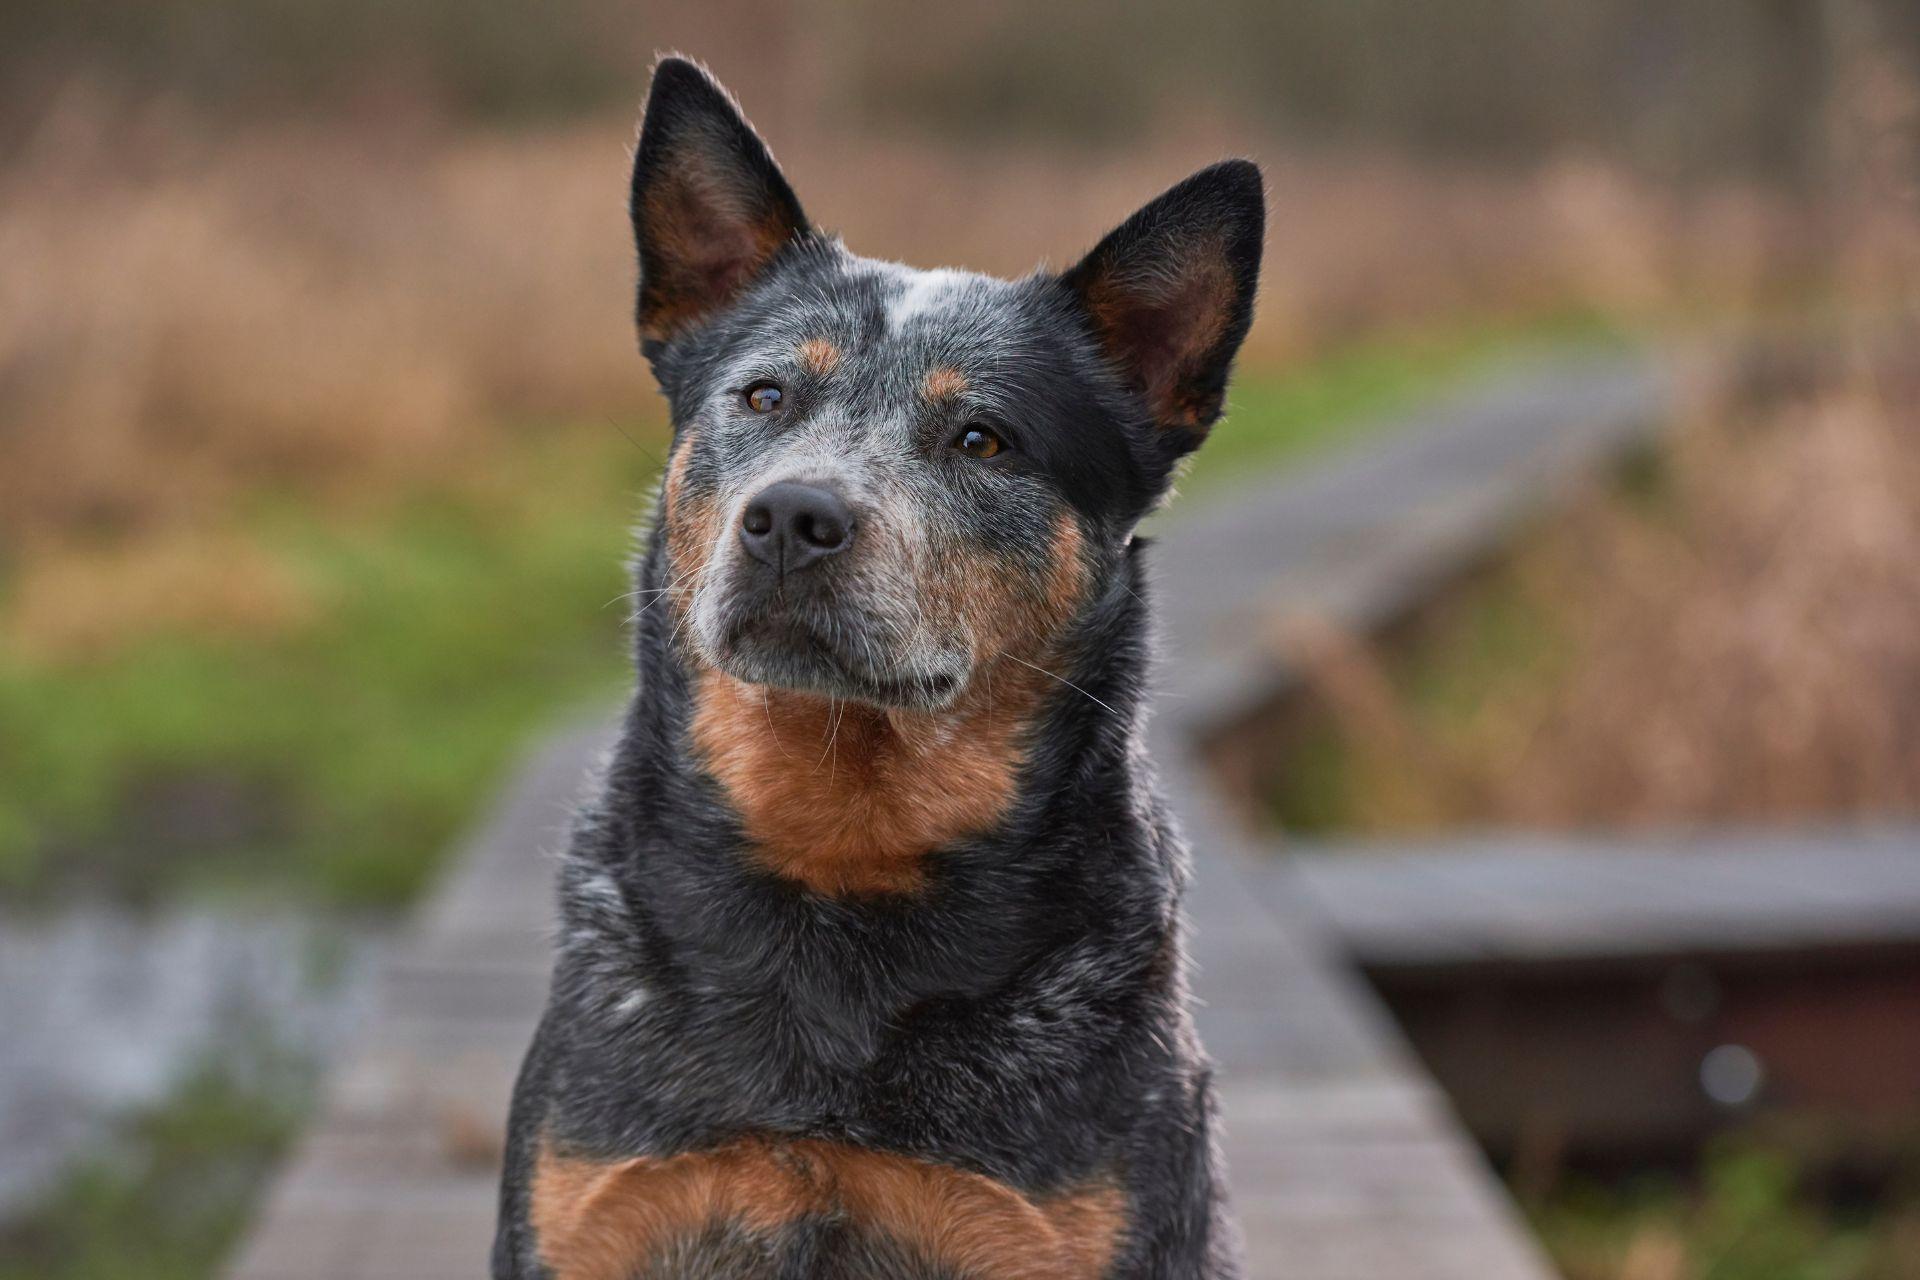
(977, 442)
(764, 397)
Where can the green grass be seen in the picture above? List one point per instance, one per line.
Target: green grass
(339, 760)
(1491, 639)
(1749, 1213)
(172, 1198)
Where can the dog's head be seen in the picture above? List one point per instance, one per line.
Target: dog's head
(885, 480)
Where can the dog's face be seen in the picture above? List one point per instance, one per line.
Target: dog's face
(886, 482)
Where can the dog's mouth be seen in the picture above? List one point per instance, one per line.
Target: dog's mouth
(785, 650)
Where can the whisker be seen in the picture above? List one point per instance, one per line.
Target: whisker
(642, 612)
(1062, 679)
(635, 595)
(837, 710)
(673, 637)
(645, 452)
(673, 588)
(766, 702)
(641, 591)
(634, 618)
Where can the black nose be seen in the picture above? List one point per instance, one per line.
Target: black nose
(790, 525)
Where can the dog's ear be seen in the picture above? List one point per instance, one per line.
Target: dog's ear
(710, 208)
(1169, 294)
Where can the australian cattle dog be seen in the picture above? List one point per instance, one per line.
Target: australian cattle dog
(870, 960)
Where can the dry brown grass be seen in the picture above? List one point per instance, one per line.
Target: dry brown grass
(74, 602)
(185, 316)
(183, 320)
(1744, 646)
(1761, 659)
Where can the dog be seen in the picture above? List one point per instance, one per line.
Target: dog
(870, 960)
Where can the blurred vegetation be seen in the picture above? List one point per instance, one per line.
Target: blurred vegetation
(1754, 585)
(337, 752)
(1678, 88)
(1752, 1211)
(470, 57)
(171, 1197)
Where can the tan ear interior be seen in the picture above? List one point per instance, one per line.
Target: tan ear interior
(704, 240)
(1164, 328)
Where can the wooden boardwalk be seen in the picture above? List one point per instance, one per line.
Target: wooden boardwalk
(1346, 1163)
(1519, 899)
(1629, 995)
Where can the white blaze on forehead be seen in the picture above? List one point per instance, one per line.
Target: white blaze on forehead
(922, 292)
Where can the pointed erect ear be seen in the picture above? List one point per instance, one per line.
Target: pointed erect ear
(1169, 294)
(710, 208)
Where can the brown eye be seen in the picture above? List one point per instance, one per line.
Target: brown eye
(977, 442)
(763, 397)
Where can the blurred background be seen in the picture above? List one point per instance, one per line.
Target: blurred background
(322, 433)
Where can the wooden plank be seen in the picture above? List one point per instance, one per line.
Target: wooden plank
(1517, 900)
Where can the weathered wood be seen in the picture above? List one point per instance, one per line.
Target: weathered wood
(1535, 899)
(396, 1176)
(1569, 992)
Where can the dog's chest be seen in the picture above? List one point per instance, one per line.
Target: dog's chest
(766, 1207)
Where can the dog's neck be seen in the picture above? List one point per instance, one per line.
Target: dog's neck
(848, 799)
(852, 801)
(667, 876)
